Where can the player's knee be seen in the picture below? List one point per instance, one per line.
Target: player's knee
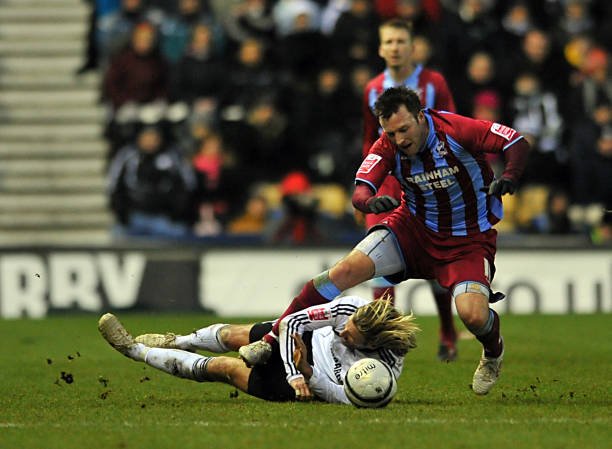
(473, 310)
(225, 336)
(472, 320)
(220, 368)
(227, 369)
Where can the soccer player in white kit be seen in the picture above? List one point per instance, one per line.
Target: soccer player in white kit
(317, 347)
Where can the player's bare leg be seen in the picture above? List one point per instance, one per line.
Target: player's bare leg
(483, 322)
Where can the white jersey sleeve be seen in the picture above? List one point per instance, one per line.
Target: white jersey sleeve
(335, 313)
(323, 388)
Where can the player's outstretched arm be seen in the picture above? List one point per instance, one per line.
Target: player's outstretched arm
(516, 159)
(365, 201)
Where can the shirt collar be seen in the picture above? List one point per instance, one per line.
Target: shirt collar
(431, 137)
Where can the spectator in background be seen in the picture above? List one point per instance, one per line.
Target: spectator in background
(297, 222)
(250, 19)
(592, 131)
(301, 51)
(254, 220)
(176, 30)
(354, 39)
(97, 10)
(263, 143)
(330, 14)
(593, 93)
(480, 75)
(152, 188)
(136, 79)
(358, 80)
(115, 29)
(516, 22)
(200, 75)
(413, 10)
(138, 73)
(424, 17)
(537, 117)
(575, 19)
(326, 149)
(221, 190)
(575, 51)
(555, 219)
(538, 55)
(423, 52)
(470, 29)
(250, 76)
(487, 106)
(285, 13)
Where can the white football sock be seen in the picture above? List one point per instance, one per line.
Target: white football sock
(137, 352)
(206, 339)
(179, 363)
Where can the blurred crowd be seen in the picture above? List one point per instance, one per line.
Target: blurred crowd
(244, 117)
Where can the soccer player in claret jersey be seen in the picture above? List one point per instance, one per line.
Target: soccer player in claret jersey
(396, 50)
(443, 227)
(318, 347)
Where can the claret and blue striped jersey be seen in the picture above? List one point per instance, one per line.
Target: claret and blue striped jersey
(441, 183)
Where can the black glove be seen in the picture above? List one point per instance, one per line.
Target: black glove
(380, 204)
(500, 186)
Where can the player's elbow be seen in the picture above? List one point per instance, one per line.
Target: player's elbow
(361, 195)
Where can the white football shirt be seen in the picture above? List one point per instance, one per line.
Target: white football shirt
(331, 357)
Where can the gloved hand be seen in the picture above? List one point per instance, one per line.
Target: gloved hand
(380, 204)
(500, 186)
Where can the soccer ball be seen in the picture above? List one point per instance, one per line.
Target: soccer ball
(370, 383)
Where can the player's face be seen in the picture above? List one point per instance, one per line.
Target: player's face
(351, 337)
(406, 131)
(395, 46)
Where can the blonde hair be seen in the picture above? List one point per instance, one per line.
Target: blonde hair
(397, 23)
(383, 326)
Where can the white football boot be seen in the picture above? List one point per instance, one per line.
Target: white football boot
(256, 353)
(167, 341)
(487, 373)
(119, 338)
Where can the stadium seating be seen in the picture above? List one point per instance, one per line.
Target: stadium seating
(51, 148)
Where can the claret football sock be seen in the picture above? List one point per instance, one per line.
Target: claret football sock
(271, 338)
(489, 336)
(383, 288)
(206, 339)
(316, 291)
(386, 292)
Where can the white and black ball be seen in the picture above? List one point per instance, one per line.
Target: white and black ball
(370, 383)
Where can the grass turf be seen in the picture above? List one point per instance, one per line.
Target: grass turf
(64, 387)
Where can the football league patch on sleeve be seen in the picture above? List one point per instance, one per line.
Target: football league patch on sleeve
(369, 163)
(319, 314)
(503, 131)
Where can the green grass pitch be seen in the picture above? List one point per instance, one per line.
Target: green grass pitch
(64, 387)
